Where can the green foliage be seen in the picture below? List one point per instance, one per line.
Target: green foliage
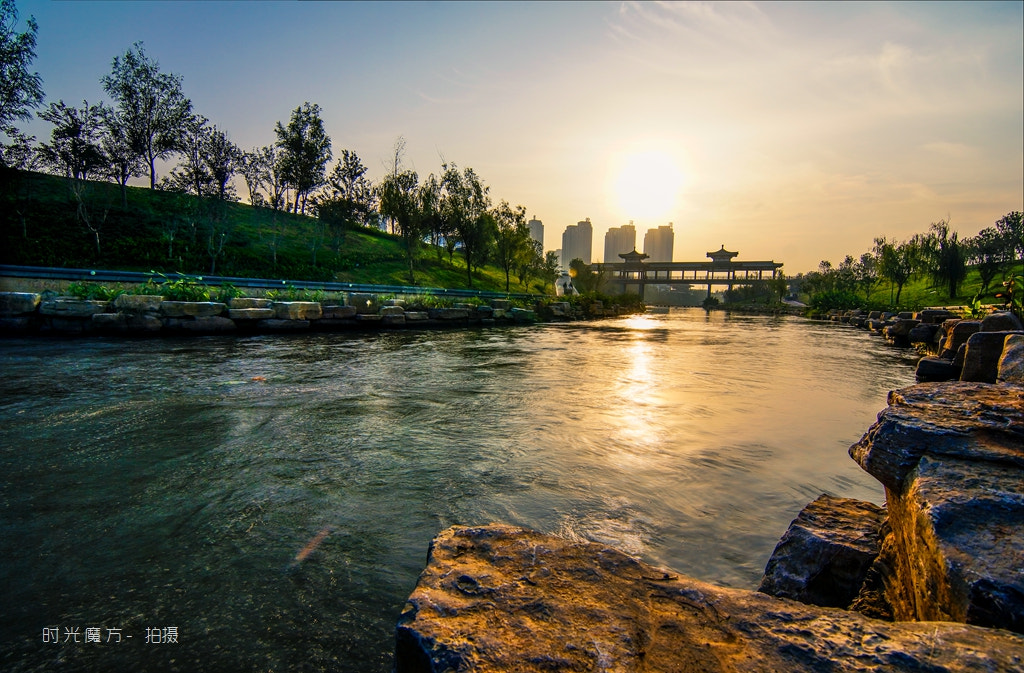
(168, 232)
(292, 293)
(226, 292)
(835, 299)
(87, 290)
(21, 90)
(184, 288)
(1013, 295)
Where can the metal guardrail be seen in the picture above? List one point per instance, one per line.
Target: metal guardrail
(108, 276)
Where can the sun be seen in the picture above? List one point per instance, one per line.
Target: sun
(647, 184)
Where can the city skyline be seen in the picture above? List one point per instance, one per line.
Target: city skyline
(795, 132)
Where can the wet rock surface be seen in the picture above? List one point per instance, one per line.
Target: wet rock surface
(951, 458)
(825, 555)
(501, 598)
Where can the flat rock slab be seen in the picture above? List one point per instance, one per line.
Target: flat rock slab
(501, 598)
(196, 309)
(983, 422)
(14, 304)
(825, 554)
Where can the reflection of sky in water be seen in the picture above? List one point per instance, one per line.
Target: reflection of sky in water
(178, 479)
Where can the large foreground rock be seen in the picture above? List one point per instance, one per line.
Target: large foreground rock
(951, 458)
(500, 598)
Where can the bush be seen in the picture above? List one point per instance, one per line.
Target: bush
(841, 300)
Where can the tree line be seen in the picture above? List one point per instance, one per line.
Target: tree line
(150, 119)
(939, 254)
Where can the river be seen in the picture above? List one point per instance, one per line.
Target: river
(164, 489)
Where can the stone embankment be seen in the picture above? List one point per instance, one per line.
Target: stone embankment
(986, 350)
(31, 313)
(944, 559)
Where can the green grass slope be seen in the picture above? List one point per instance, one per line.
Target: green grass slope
(43, 224)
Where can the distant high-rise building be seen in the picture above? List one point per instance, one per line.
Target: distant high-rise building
(577, 242)
(658, 243)
(561, 262)
(619, 240)
(536, 230)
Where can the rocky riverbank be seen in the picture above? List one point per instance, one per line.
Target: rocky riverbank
(943, 559)
(989, 349)
(24, 313)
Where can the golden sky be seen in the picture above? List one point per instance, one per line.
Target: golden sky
(788, 131)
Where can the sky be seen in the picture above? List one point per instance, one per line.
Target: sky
(793, 132)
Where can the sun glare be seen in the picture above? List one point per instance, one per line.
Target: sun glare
(647, 185)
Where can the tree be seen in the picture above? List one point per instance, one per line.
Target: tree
(399, 201)
(987, 252)
(1011, 230)
(123, 162)
(512, 237)
(209, 161)
(464, 207)
(20, 90)
(530, 262)
(431, 216)
(351, 197)
(75, 148)
(549, 270)
(305, 151)
(896, 263)
(946, 257)
(151, 107)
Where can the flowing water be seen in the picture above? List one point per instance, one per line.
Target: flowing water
(271, 498)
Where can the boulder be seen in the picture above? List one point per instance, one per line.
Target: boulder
(127, 322)
(560, 309)
(932, 316)
(416, 316)
(251, 313)
(1003, 321)
(521, 315)
(363, 303)
(931, 368)
(951, 458)
(499, 598)
(138, 303)
(899, 332)
(485, 312)
(981, 359)
(825, 554)
(501, 304)
(391, 311)
(368, 318)
(14, 304)
(1011, 363)
(297, 310)
(338, 312)
(67, 307)
(393, 319)
(959, 334)
(249, 302)
(905, 315)
(195, 309)
(924, 333)
(448, 313)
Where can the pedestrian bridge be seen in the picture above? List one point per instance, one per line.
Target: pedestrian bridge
(632, 273)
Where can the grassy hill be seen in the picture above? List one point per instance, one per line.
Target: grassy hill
(43, 224)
